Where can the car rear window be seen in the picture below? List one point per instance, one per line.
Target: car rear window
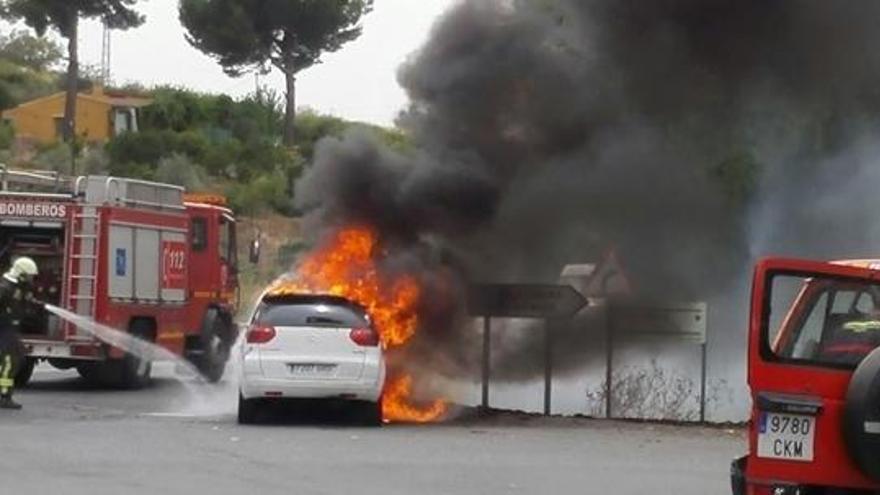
(311, 315)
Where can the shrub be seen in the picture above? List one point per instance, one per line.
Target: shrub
(263, 192)
(7, 135)
(56, 157)
(179, 169)
(148, 147)
(311, 127)
(94, 161)
(648, 392)
(141, 171)
(174, 110)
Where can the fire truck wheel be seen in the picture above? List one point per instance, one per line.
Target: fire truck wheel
(134, 372)
(861, 417)
(214, 342)
(23, 376)
(131, 372)
(89, 372)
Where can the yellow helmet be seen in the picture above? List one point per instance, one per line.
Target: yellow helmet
(22, 269)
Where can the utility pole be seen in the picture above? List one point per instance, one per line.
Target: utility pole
(105, 56)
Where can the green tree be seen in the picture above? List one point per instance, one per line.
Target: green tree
(63, 16)
(291, 35)
(36, 53)
(26, 67)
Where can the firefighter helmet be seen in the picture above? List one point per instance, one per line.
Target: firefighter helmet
(22, 269)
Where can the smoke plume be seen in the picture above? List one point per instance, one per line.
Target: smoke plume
(689, 136)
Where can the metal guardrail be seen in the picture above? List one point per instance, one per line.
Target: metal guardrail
(157, 188)
(110, 189)
(33, 178)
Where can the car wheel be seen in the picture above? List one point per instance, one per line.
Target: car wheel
(24, 373)
(861, 416)
(247, 410)
(370, 413)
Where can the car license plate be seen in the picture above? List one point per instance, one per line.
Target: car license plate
(311, 368)
(786, 436)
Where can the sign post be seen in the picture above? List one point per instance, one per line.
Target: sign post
(609, 365)
(703, 363)
(551, 303)
(487, 355)
(548, 365)
(682, 321)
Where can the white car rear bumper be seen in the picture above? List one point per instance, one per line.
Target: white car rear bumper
(253, 384)
(254, 387)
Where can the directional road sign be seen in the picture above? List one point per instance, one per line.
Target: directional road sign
(524, 300)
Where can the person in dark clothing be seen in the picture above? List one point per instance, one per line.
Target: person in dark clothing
(15, 294)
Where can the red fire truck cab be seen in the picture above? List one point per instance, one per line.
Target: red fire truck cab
(814, 374)
(134, 255)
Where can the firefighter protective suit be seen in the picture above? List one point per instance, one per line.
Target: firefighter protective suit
(15, 294)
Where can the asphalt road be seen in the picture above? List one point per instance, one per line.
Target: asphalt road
(183, 439)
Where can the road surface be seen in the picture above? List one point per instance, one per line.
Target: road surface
(70, 439)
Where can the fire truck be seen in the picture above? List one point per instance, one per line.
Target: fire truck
(814, 375)
(138, 256)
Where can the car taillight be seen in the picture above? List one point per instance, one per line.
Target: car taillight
(260, 334)
(365, 337)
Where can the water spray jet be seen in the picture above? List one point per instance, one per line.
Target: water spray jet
(205, 396)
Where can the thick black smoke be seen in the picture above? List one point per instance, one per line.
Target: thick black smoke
(688, 135)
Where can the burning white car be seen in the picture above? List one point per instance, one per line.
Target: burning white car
(311, 347)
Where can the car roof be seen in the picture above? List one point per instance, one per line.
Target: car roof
(283, 299)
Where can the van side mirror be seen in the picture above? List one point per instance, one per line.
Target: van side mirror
(254, 254)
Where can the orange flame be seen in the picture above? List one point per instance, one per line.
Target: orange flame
(396, 404)
(345, 266)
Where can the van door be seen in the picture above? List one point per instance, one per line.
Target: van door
(811, 324)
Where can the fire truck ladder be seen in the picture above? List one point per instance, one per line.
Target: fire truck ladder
(83, 262)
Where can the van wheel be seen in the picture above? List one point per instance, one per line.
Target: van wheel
(215, 342)
(24, 373)
(861, 416)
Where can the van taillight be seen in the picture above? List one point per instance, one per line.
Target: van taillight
(260, 334)
(365, 337)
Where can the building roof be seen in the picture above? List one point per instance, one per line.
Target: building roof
(97, 95)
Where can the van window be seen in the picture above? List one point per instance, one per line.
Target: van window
(823, 321)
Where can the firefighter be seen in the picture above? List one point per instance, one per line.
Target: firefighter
(15, 294)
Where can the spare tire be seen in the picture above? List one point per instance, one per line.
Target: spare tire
(861, 416)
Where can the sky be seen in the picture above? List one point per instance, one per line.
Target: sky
(358, 82)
